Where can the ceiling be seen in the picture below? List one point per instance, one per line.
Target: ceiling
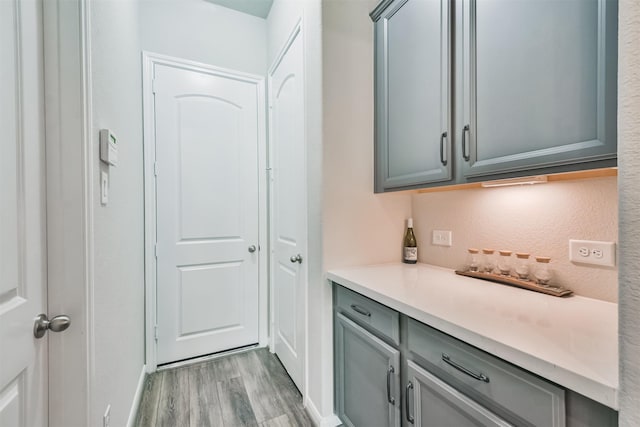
(259, 8)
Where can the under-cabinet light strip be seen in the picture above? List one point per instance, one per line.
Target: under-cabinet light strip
(515, 181)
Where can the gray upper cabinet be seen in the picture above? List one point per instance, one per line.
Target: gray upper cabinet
(413, 92)
(538, 84)
(473, 90)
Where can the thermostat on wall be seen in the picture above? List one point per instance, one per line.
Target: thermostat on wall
(108, 147)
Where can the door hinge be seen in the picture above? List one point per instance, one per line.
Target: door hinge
(155, 332)
(155, 250)
(153, 86)
(155, 168)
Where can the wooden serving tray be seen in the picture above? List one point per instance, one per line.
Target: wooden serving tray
(556, 291)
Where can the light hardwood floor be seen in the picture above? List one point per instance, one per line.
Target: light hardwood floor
(245, 389)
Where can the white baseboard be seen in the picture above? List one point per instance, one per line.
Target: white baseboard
(137, 397)
(319, 420)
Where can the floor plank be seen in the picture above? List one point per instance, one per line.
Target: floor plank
(281, 421)
(225, 368)
(204, 403)
(173, 408)
(148, 410)
(264, 398)
(236, 407)
(249, 363)
(286, 390)
(245, 389)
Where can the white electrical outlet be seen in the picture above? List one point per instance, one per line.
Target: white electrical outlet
(106, 418)
(592, 252)
(441, 238)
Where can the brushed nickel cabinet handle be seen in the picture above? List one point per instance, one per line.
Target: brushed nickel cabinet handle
(459, 367)
(465, 154)
(361, 310)
(443, 160)
(390, 398)
(407, 407)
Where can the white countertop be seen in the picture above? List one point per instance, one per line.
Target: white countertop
(571, 341)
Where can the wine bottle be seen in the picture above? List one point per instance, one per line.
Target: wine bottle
(410, 253)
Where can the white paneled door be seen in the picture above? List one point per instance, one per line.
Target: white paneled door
(289, 180)
(23, 358)
(207, 133)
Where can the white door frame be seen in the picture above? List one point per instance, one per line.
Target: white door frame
(297, 31)
(149, 60)
(70, 170)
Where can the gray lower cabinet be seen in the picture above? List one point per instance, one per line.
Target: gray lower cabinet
(432, 402)
(367, 379)
(471, 90)
(516, 395)
(391, 370)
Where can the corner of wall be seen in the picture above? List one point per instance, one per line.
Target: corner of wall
(137, 397)
(629, 208)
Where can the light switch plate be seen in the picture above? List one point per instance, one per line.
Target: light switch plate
(441, 238)
(592, 252)
(104, 187)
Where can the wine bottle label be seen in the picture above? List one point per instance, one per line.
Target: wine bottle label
(410, 254)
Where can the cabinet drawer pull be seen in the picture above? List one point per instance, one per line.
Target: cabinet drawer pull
(390, 398)
(361, 310)
(443, 160)
(465, 154)
(479, 377)
(407, 406)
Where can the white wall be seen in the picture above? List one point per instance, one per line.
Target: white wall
(201, 31)
(282, 18)
(629, 182)
(118, 293)
(539, 219)
(191, 29)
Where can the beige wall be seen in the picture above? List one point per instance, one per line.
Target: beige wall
(539, 219)
(629, 187)
(360, 227)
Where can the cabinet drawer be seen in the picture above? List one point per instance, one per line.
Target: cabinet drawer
(432, 402)
(524, 398)
(364, 311)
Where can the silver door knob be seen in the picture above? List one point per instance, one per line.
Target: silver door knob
(297, 258)
(252, 248)
(57, 324)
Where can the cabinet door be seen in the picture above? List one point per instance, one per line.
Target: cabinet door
(412, 56)
(432, 402)
(539, 84)
(367, 377)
